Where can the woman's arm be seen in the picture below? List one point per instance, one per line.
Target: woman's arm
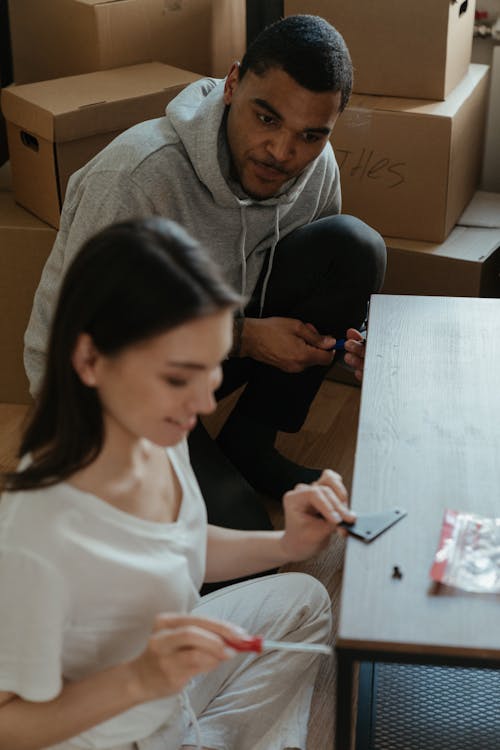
(179, 648)
(26, 725)
(232, 553)
(312, 514)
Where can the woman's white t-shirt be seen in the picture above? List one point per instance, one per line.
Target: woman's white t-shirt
(80, 585)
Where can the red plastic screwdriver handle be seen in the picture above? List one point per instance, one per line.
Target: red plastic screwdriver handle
(247, 643)
(257, 644)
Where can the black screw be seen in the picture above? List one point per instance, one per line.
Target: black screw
(396, 573)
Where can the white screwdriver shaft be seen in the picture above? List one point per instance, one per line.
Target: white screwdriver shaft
(318, 648)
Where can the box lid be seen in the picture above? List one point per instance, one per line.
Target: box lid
(64, 109)
(473, 244)
(447, 108)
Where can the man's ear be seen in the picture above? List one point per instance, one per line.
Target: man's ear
(84, 359)
(231, 83)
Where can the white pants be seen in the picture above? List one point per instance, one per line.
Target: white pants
(260, 701)
(256, 701)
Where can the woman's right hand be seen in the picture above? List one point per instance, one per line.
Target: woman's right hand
(180, 647)
(313, 513)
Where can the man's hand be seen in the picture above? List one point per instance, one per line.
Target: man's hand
(355, 352)
(312, 514)
(285, 343)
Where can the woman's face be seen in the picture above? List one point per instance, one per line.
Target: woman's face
(157, 388)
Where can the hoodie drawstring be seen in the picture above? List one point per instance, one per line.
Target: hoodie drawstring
(271, 259)
(242, 241)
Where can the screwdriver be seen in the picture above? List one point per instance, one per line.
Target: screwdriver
(258, 644)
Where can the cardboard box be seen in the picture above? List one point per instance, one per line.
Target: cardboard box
(467, 264)
(409, 168)
(4, 151)
(5, 177)
(491, 162)
(5, 73)
(55, 127)
(25, 243)
(60, 38)
(409, 48)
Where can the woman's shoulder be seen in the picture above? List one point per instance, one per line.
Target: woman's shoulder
(28, 518)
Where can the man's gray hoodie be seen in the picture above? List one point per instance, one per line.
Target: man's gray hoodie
(178, 166)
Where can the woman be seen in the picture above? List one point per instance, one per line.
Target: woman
(104, 640)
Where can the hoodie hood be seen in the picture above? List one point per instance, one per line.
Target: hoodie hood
(197, 115)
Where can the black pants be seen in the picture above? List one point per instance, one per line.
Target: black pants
(324, 274)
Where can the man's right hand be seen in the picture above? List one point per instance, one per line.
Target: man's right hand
(285, 343)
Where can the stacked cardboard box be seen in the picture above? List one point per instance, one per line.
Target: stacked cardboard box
(84, 71)
(4, 153)
(410, 166)
(54, 127)
(5, 73)
(466, 264)
(410, 143)
(402, 48)
(25, 243)
(68, 37)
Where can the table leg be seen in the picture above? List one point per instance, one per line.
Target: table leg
(343, 718)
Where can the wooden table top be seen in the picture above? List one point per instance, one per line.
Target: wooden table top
(428, 439)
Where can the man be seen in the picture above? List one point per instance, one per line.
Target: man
(245, 164)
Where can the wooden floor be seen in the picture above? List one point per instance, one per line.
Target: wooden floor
(326, 440)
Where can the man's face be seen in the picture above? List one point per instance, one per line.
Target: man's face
(275, 128)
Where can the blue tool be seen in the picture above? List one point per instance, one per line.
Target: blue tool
(339, 346)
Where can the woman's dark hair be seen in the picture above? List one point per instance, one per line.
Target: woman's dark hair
(129, 282)
(306, 47)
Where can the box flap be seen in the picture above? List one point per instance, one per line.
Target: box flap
(77, 106)
(482, 211)
(447, 108)
(464, 243)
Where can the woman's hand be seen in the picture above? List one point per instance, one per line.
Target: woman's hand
(312, 513)
(180, 647)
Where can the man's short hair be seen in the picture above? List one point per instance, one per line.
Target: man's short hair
(306, 47)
